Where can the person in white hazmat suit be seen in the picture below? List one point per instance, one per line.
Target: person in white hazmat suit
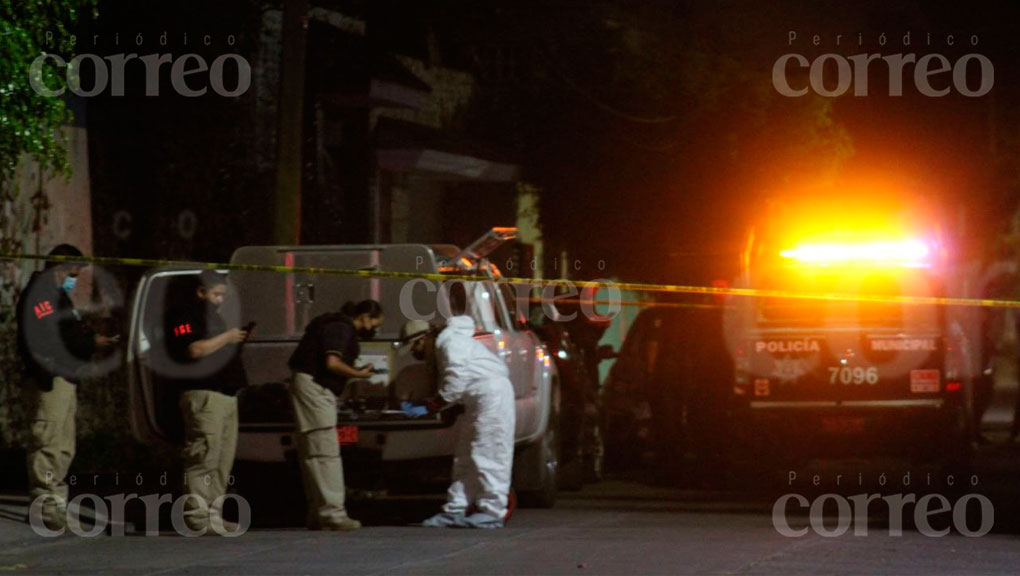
(474, 376)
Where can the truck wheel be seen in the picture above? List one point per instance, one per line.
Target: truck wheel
(543, 457)
(541, 460)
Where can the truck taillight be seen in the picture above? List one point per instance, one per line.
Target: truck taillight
(953, 386)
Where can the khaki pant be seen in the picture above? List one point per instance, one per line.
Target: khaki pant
(210, 441)
(52, 445)
(322, 470)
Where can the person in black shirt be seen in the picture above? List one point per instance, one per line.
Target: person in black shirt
(209, 355)
(55, 345)
(322, 363)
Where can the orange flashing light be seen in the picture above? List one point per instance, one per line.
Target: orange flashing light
(904, 253)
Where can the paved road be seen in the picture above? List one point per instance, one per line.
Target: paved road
(614, 527)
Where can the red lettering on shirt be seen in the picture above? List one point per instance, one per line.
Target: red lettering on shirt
(182, 329)
(43, 309)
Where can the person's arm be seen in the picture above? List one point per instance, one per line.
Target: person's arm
(77, 338)
(336, 337)
(452, 358)
(435, 404)
(202, 348)
(338, 366)
(103, 341)
(43, 336)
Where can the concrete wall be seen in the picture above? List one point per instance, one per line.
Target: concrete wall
(48, 211)
(452, 91)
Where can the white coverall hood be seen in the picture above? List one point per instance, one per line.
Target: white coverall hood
(460, 325)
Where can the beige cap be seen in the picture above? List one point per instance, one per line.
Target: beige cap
(414, 328)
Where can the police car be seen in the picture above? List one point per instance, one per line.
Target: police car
(846, 348)
(281, 288)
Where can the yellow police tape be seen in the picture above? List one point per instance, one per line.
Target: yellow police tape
(582, 284)
(639, 303)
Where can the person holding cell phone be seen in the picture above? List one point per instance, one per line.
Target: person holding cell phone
(56, 345)
(208, 354)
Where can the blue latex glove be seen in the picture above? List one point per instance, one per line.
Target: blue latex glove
(413, 411)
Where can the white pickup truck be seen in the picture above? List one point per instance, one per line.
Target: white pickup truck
(387, 447)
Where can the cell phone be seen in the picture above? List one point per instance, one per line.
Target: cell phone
(249, 326)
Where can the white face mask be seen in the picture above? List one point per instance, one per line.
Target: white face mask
(69, 283)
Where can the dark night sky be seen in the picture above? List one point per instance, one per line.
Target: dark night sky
(654, 124)
(695, 196)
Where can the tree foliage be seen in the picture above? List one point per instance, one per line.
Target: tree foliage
(30, 122)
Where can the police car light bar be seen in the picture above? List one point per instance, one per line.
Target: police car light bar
(904, 253)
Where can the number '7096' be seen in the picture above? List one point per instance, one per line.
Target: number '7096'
(855, 375)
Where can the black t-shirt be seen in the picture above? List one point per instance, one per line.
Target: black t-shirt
(326, 334)
(53, 340)
(221, 371)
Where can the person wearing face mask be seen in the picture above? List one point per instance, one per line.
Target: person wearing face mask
(208, 356)
(55, 345)
(471, 375)
(322, 363)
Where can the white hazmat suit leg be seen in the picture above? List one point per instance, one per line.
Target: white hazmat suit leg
(484, 453)
(492, 452)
